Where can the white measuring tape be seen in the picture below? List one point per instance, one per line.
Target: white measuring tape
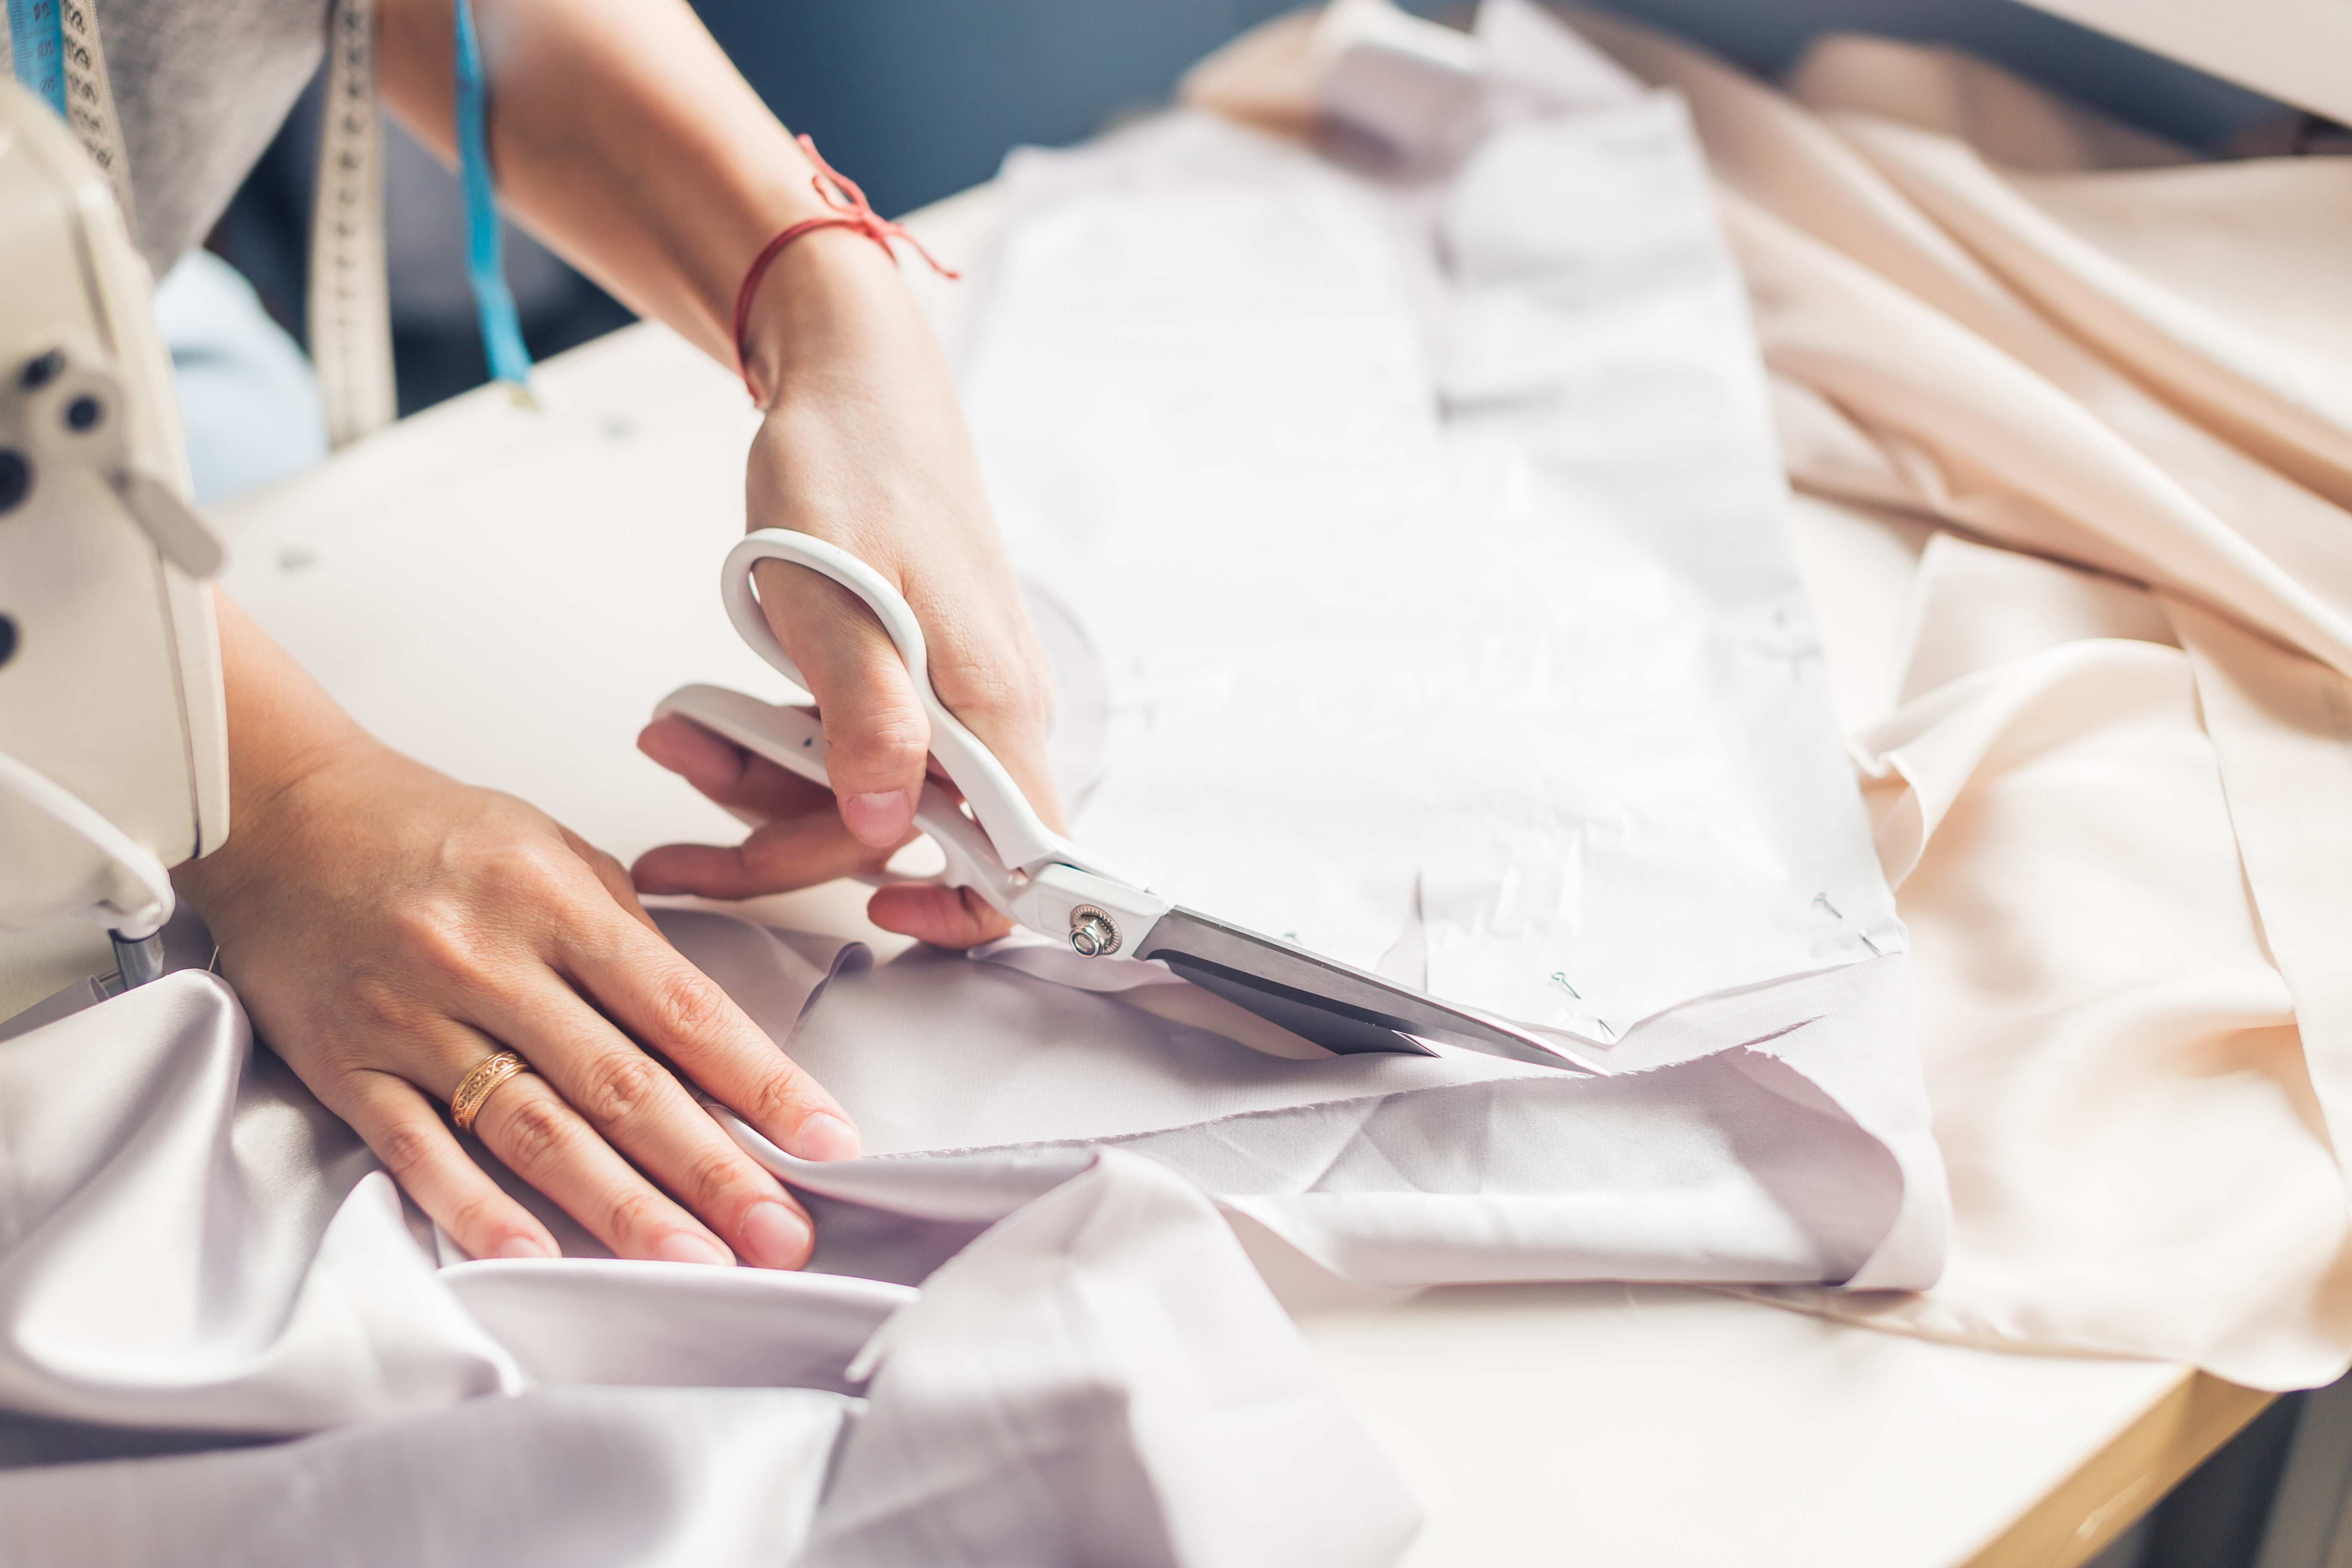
(351, 300)
(89, 100)
(55, 52)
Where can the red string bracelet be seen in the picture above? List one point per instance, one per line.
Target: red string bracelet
(854, 213)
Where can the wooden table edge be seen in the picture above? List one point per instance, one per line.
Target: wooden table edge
(2108, 1492)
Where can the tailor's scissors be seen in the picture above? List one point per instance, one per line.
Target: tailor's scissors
(994, 844)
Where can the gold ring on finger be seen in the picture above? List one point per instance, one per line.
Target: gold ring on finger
(475, 1091)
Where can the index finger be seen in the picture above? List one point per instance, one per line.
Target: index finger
(650, 990)
(732, 775)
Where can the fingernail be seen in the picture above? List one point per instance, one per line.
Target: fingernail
(774, 1236)
(685, 1246)
(879, 820)
(523, 1247)
(824, 1136)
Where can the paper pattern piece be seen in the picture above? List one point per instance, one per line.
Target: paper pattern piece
(1511, 614)
(1431, 530)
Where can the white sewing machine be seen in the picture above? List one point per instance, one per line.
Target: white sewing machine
(113, 737)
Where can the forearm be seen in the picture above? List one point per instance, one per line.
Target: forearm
(625, 139)
(623, 136)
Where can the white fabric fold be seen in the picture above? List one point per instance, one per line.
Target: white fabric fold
(562, 1478)
(197, 1254)
(2116, 814)
(190, 1243)
(1185, 1422)
(2112, 1054)
(1717, 1152)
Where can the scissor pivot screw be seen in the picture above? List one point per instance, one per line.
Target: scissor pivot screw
(1092, 934)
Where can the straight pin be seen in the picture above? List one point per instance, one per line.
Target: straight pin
(1822, 900)
(1560, 980)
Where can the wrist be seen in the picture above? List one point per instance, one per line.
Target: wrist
(283, 731)
(830, 299)
(268, 801)
(789, 308)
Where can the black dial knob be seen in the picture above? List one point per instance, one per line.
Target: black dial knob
(16, 479)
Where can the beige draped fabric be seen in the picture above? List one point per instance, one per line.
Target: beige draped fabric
(2116, 791)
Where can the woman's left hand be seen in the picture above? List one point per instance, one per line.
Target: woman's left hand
(389, 929)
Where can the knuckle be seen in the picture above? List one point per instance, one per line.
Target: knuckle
(577, 854)
(631, 1213)
(684, 1004)
(776, 1101)
(709, 1178)
(620, 1086)
(533, 1135)
(1005, 698)
(882, 742)
(440, 938)
(526, 864)
(406, 1147)
(383, 1006)
(476, 1218)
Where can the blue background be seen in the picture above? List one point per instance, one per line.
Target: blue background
(917, 100)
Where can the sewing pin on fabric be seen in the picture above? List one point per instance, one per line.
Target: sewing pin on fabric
(1821, 900)
(1560, 980)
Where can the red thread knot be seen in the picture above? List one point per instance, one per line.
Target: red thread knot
(851, 210)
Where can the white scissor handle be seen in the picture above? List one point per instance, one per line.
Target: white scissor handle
(791, 738)
(1022, 841)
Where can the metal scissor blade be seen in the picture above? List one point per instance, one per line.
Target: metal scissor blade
(1337, 1006)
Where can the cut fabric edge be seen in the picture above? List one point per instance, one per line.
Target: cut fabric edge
(1830, 1029)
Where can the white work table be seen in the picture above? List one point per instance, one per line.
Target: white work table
(505, 594)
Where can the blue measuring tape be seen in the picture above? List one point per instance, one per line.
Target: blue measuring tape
(37, 44)
(501, 328)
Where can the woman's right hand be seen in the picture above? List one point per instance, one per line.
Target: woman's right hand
(864, 445)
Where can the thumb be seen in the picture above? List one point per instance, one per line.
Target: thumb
(875, 734)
